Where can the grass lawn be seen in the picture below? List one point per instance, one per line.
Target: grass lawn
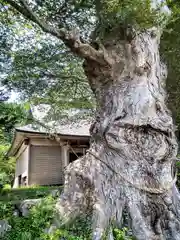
(16, 194)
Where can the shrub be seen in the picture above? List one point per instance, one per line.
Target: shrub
(4, 178)
(32, 227)
(15, 194)
(6, 211)
(69, 235)
(7, 166)
(122, 234)
(6, 187)
(40, 218)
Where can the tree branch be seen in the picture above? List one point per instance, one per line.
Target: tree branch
(29, 14)
(70, 38)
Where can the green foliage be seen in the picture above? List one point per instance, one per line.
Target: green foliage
(12, 114)
(13, 194)
(6, 211)
(7, 165)
(178, 174)
(4, 178)
(40, 218)
(62, 233)
(32, 227)
(57, 235)
(171, 55)
(54, 76)
(43, 70)
(122, 234)
(140, 14)
(6, 187)
(81, 227)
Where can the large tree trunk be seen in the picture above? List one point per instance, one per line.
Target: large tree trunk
(130, 162)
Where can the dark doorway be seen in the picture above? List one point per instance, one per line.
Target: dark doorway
(19, 180)
(73, 156)
(24, 181)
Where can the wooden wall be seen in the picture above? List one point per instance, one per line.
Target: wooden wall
(21, 164)
(45, 165)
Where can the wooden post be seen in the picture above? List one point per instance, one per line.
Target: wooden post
(64, 157)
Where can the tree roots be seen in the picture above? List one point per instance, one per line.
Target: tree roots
(91, 186)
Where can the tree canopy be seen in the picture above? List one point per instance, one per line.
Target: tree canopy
(12, 115)
(42, 69)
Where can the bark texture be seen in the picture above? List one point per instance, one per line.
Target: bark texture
(130, 164)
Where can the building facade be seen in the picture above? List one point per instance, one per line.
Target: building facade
(41, 159)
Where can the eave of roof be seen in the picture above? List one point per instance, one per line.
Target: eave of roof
(46, 133)
(20, 135)
(15, 144)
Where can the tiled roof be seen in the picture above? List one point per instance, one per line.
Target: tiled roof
(80, 128)
(73, 124)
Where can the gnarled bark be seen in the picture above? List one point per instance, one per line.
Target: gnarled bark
(133, 147)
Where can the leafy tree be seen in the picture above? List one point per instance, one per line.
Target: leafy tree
(130, 162)
(11, 115)
(55, 76)
(170, 53)
(7, 166)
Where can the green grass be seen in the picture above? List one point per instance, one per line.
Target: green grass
(12, 195)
